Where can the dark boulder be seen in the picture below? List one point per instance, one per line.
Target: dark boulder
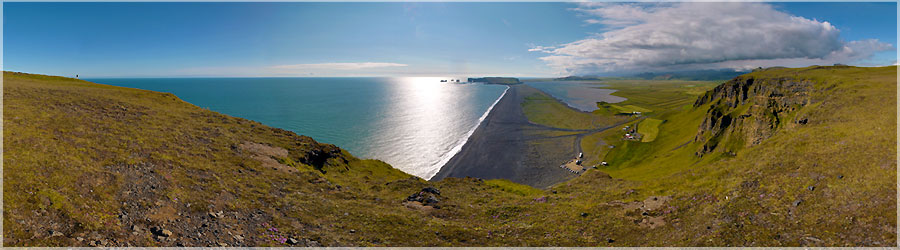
(431, 200)
(317, 155)
(158, 231)
(429, 196)
(431, 190)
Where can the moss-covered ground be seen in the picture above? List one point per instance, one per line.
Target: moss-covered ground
(85, 163)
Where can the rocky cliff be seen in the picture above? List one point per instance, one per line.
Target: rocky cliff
(749, 109)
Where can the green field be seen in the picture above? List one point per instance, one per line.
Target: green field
(819, 153)
(596, 145)
(649, 128)
(542, 109)
(667, 97)
(626, 109)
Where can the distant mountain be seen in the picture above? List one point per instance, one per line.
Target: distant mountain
(696, 75)
(693, 75)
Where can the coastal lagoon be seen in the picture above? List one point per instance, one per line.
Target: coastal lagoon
(577, 94)
(415, 124)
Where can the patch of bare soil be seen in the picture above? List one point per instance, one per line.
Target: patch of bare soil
(647, 213)
(267, 155)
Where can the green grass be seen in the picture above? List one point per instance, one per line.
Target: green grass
(596, 146)
(662, 97)
(76, 152)
(513, 187)
(628, 108)
(795, 158)
(542, 109)
(649, 128)
(784, 165)
(658, 95)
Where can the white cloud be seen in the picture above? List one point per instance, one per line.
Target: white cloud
(686, 36)
(545, 49)
(338, 66)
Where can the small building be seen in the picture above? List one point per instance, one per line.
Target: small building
(604, 163)
(580, 155)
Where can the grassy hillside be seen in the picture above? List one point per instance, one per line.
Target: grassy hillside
(95, 165)
(654, 98)
(89, 164)
(805, 180)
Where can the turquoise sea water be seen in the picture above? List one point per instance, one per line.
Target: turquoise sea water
(413, 123)
(580, 95)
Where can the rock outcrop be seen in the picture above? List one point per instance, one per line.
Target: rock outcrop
(429, 196)
(749, 109)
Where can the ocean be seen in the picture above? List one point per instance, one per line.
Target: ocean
(415, 124)
(579, 95)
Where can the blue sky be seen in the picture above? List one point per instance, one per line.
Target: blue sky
(426, 39)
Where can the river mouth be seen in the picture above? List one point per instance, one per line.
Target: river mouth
(581, 95)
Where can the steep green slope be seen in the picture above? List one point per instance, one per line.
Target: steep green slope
(89, 164)
(808, 154)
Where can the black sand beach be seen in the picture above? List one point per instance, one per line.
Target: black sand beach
(507, 146)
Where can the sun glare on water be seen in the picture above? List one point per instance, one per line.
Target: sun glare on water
(423, 107)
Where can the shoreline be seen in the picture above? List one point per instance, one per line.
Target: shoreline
(507, 146)
(455, 150)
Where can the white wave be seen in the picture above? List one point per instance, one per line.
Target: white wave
(449, 155)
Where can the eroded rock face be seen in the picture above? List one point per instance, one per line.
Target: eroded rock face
(309, 151)
(317, 154)
(747, 110)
